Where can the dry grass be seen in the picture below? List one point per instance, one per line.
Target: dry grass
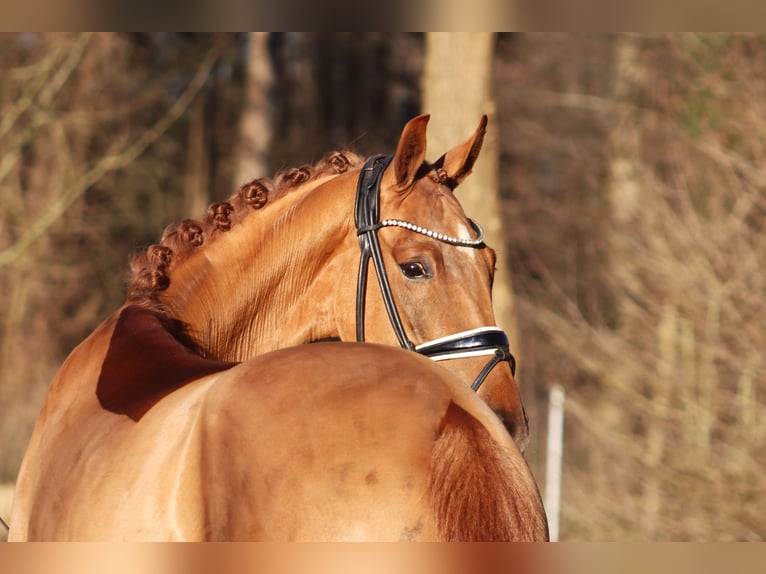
(654, 311)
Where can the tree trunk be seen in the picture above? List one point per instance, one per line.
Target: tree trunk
(457, 90)
(197, 178)
(255, 124)
(625, 196)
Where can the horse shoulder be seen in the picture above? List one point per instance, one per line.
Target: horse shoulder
(68, 397)
(125, 367)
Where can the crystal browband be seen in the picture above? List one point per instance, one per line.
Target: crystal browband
(439, 236)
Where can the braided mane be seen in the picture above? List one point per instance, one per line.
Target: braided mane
(150, 268)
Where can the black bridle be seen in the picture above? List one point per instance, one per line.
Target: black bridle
(475, 342)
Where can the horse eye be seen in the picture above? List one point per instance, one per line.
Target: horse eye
(414, 270)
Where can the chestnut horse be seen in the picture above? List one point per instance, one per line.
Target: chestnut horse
(332, 441)
(276, 266)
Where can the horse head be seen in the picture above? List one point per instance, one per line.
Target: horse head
(433, 268)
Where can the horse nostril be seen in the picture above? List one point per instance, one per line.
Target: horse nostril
(522, 432)
(521, 437)
(519, 430)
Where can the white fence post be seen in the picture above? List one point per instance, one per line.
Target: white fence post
(555, 451)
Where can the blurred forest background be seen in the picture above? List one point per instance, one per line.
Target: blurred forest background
(632, 185)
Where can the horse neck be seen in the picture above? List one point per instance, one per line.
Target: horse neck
(254, 289)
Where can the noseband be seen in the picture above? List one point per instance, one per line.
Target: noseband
(483, 341)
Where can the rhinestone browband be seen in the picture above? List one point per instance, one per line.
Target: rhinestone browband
(439, 236)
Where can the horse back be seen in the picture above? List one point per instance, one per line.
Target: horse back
(359, 442)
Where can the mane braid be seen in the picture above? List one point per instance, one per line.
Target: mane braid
(150, 269)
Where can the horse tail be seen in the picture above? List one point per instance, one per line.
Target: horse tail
(479, 490)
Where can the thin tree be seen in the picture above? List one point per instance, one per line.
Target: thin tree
(255, 121)
(457, 90)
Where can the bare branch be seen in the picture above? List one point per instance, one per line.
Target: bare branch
(45, 92)
(108, 164)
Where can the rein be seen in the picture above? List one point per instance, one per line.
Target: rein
(483, 341)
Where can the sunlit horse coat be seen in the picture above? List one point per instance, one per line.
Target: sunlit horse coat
(176, 420)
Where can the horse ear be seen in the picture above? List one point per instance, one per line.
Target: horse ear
(410, 151)
(458, 162)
